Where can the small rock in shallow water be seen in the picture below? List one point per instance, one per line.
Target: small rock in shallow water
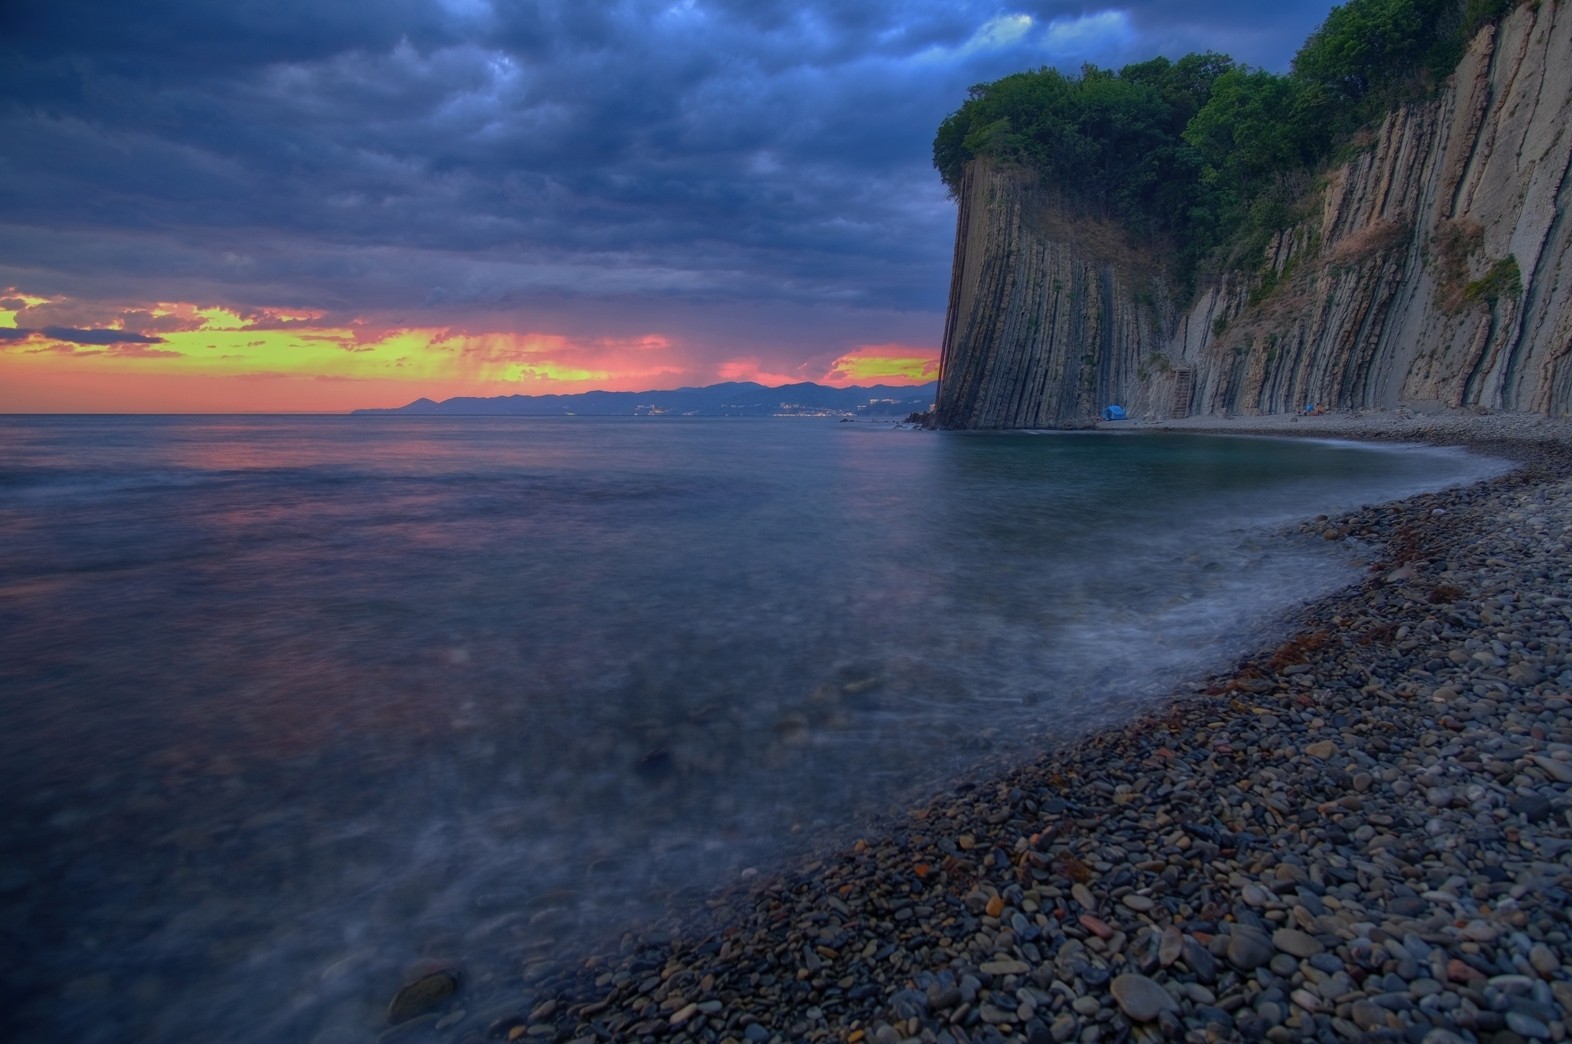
(422, 995)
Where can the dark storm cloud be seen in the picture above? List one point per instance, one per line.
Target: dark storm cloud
(75, 336)
(70, 341)
(374, 154)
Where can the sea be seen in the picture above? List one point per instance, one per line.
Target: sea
(291, 704)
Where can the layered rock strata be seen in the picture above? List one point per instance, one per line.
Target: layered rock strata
(1434, 270)
(1051, 314)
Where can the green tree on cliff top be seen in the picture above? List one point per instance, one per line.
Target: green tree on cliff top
(1199, 149)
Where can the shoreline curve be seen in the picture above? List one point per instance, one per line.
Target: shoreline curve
(1364, 833)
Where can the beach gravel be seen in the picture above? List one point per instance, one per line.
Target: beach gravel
(1362, 834)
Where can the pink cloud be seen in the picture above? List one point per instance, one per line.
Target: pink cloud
(752, 368)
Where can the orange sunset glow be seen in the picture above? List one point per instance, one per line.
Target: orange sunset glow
(57, 356)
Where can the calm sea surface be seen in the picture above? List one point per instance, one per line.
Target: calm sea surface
(288, 703)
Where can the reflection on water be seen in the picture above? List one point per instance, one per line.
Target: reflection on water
(289, 702)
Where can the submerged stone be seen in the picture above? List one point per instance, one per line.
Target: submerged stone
(422, 995)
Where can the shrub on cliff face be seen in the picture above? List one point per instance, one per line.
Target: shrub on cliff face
(1503, 279)
(1450, 246)
(1453, 243)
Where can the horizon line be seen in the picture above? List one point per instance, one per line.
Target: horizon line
(351, 411)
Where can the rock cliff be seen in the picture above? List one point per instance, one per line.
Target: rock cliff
(1434, 269)
(1052, 314)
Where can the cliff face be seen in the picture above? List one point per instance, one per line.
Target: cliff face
(1051, 316)
(1435, 270)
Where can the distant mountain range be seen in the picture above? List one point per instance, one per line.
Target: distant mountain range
(733, 399)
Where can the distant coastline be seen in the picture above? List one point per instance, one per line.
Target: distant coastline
(731, 399)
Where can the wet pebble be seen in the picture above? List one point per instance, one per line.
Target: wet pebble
(1141, 998)
(1249, 948)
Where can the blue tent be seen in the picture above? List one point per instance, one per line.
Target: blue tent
(1113, 413)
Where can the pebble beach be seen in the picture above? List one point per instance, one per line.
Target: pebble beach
(1364, 833)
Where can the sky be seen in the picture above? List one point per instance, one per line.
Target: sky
(292, 205)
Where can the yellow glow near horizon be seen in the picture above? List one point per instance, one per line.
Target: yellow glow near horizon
(884, 364)
(184, 356)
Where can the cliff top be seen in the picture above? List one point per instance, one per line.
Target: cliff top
(1211, 155)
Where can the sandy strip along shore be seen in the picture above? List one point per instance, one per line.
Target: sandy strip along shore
(1364, 834)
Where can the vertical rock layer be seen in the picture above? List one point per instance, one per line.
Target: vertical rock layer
(1434, 270)
(1051, 313)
